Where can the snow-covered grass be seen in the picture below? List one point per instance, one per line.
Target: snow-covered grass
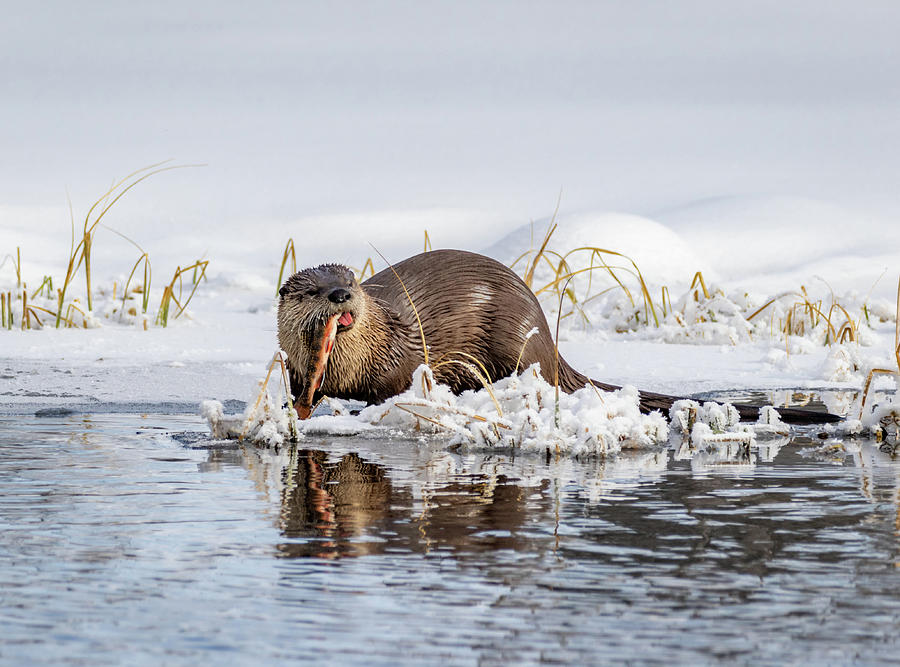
(46, 306)
(522, 413)
(604, 288)
(113, 304)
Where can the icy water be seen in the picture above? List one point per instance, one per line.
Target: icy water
(132, 539)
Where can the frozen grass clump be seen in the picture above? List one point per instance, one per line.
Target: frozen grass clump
(271, 420)
(711, 423)
(879, 419)
(271, 424)
(883, 421)
(266, 424)
(124, 302)
(605, 290)
(714, 439)
(521, 413)
(879, 416)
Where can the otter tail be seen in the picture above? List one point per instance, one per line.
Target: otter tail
(571, 380)
(749, 413)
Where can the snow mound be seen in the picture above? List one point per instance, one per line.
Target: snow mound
(776, 241)
(661, 254)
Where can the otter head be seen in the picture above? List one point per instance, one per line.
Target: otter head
(312, 296)
(317, 306)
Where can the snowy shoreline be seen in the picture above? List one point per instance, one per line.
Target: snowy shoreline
(220, 347)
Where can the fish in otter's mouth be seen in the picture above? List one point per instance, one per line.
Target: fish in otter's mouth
(322, 341)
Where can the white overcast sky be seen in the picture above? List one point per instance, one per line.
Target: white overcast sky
(316, 107)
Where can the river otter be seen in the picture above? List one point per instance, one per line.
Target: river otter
(362, 341)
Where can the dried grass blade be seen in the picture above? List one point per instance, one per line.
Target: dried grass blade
(409, 298)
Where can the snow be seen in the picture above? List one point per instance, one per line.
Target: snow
(739, 143)
(665, 256)
(522, 413)
(806, 239)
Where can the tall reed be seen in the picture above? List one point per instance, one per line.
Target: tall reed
(168, 297)
(81, 252)
(289, 253)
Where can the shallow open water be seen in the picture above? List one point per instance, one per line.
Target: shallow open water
(136, 540)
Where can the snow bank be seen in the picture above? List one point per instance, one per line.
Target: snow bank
(520, 413)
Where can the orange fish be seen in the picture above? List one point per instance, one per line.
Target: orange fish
(316, 369)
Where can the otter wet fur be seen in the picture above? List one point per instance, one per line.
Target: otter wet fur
(362, 341)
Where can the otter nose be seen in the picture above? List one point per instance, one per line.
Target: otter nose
(339, 295)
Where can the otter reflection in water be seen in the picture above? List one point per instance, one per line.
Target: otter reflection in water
(646, 507)
(331, 502)
(350, 507)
